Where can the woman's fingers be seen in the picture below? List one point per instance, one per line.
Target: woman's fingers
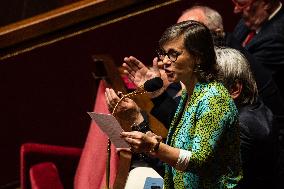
(155, 64)
(132, 141)
(111, 97)
(108, 98)
(136, 145)
(123, 149)
(132, 134)
(133, 63)
(137, 141)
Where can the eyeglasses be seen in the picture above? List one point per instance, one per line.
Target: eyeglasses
(172, 54)
(241, 4)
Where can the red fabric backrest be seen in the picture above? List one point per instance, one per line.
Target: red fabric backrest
(66, 160)
(91, 171)
(45, 176)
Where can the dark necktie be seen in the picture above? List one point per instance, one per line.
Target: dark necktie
(248, 38)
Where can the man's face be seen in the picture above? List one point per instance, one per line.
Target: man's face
(254, 12)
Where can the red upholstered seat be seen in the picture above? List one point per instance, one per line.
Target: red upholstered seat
(91, 169)
(65, 158)
(44, 175)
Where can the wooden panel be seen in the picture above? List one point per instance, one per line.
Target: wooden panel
(57, 19)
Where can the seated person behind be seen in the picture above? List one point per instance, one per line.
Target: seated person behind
(258, 140)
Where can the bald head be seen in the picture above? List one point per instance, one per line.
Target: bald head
(209, 17)
(192, 14)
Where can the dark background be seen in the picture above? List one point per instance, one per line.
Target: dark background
(45, 93)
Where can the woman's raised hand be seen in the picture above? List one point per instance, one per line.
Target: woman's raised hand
(138, 72)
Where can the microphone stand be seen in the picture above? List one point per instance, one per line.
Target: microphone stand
(126, 159)
(149, 86)
(138, 91)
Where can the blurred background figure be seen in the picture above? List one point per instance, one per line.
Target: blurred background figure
(259, 144)
(261, 31)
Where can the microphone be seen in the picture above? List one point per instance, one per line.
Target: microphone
(150, 85)
(153, 84)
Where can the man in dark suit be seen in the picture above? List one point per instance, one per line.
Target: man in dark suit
(265, 18)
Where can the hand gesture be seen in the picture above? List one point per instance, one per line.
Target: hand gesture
(138, 72)
(127, 110)
(140, 142)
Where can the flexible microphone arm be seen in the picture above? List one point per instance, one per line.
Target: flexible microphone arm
(149, 86)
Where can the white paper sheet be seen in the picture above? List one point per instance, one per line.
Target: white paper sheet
(110, 126)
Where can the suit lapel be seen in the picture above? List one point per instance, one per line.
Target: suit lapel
(241, 31)
(267, 28)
